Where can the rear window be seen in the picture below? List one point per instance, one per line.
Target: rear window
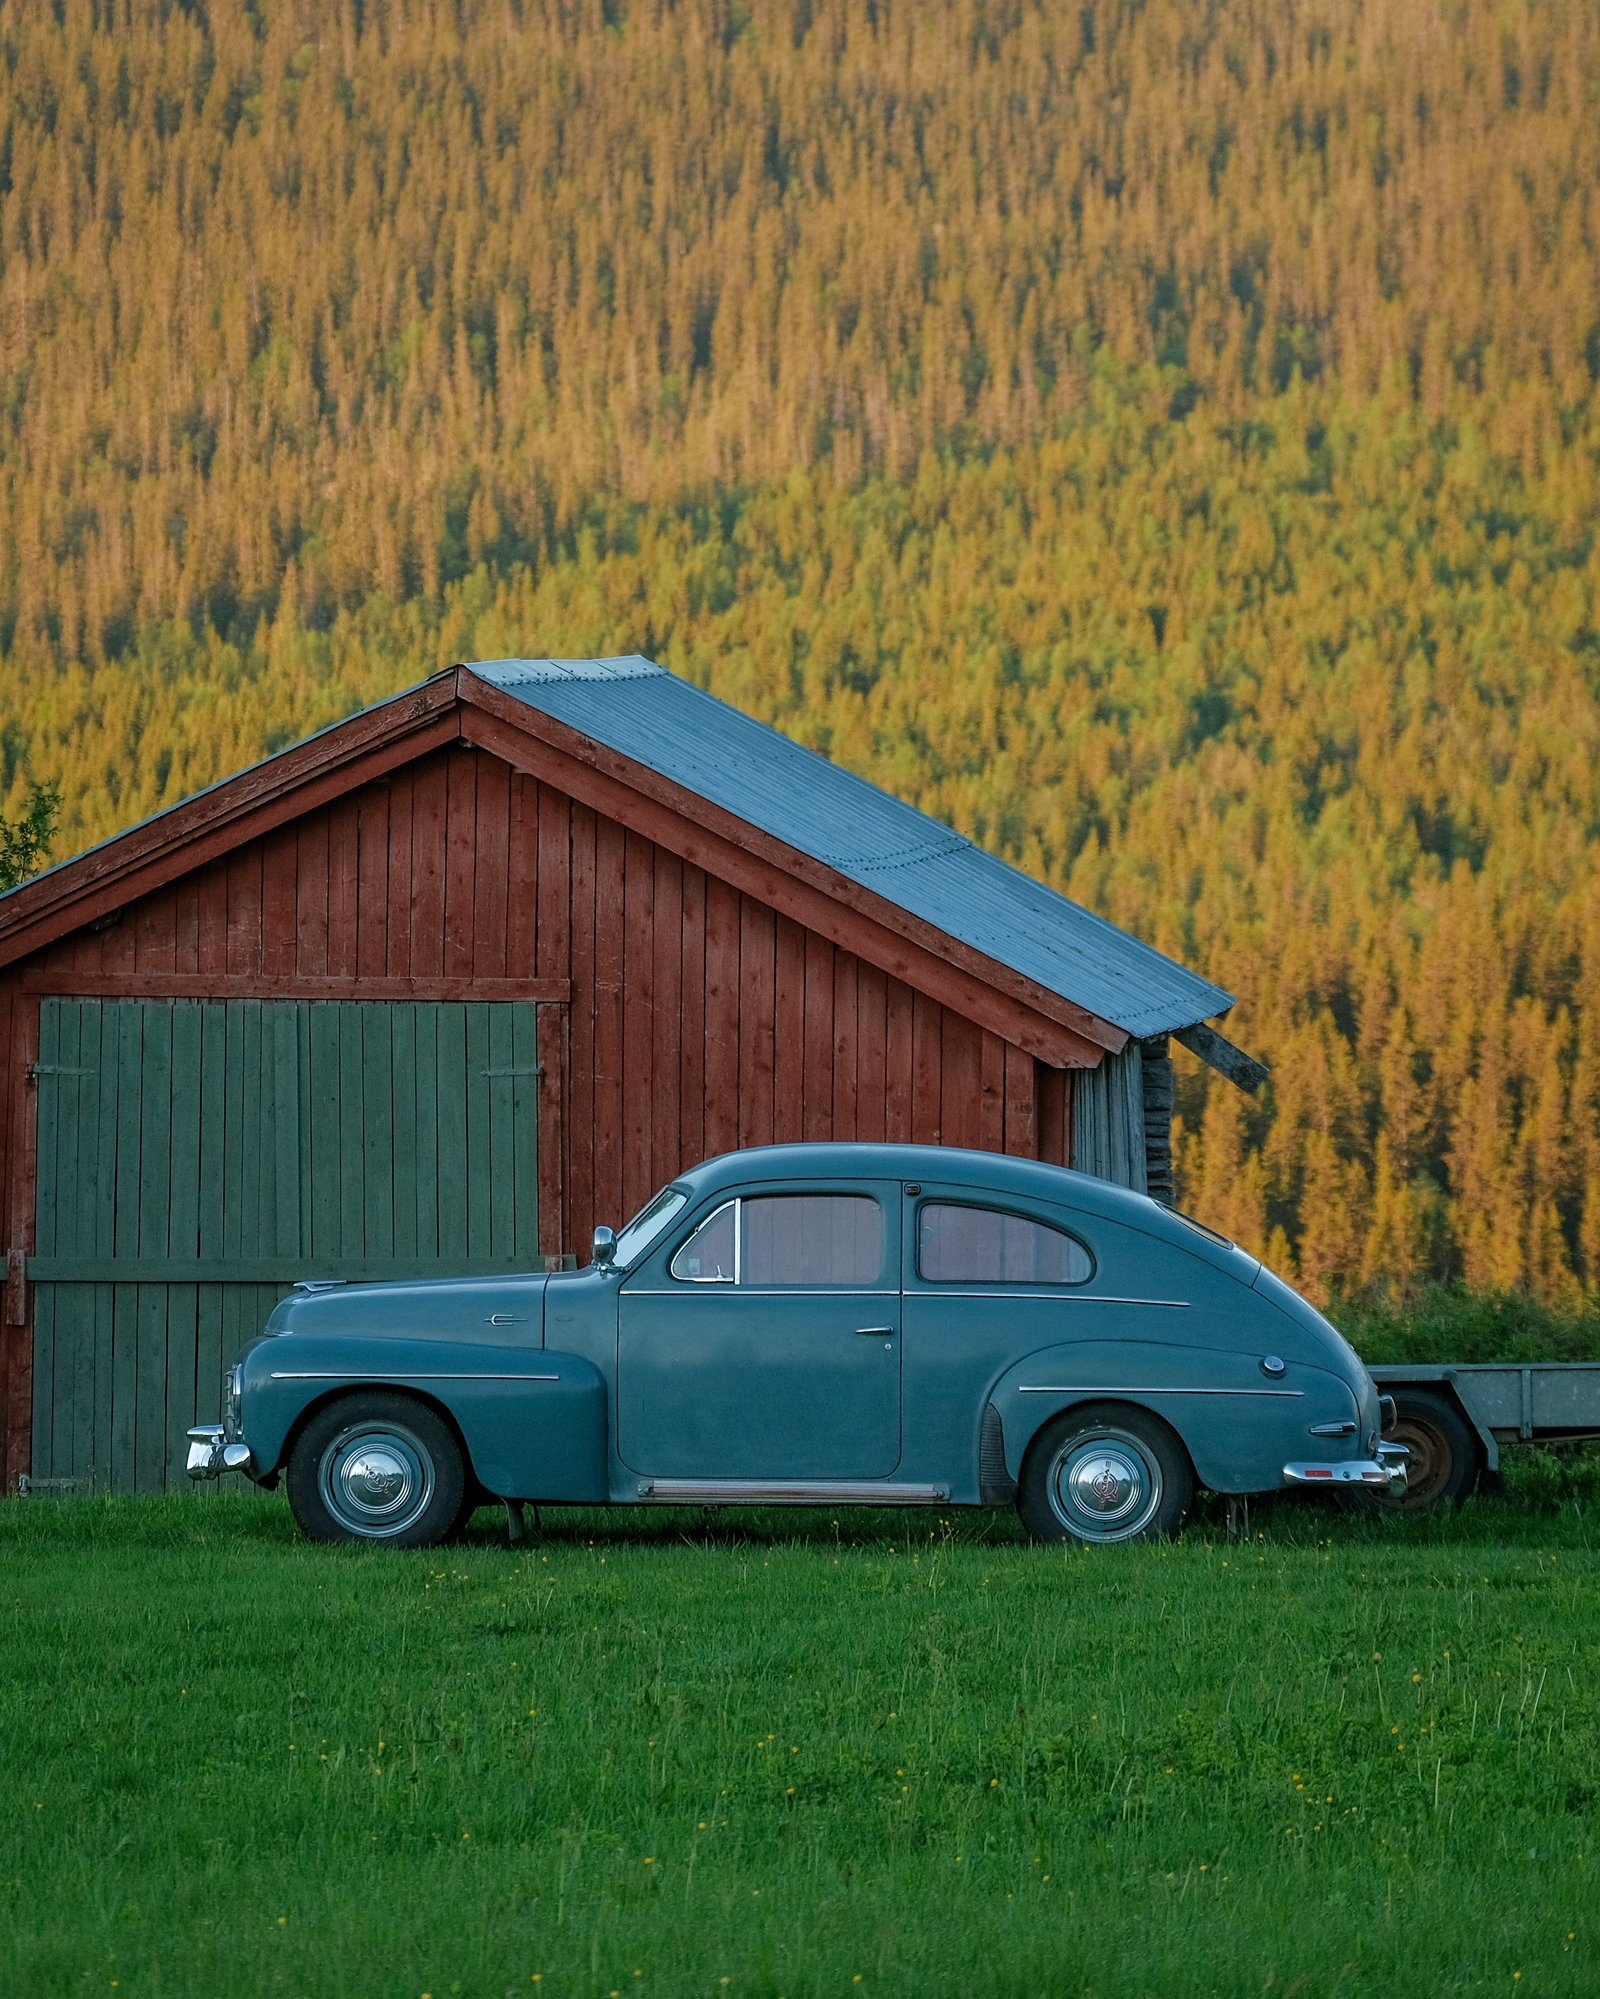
(957, 1244)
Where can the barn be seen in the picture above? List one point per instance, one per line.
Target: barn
(444, 985)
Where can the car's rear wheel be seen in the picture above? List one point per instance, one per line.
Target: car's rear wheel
(377, 1467)
(1105, 1474)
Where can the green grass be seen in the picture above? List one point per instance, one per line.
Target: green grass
(777, 1754)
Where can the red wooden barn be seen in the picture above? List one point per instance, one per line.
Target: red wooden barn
(448, 983)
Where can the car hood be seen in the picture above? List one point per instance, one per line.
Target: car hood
(508, 1309)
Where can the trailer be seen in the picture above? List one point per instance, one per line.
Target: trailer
(1453, 1418)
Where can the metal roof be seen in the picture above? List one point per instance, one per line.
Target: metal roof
(644, 712)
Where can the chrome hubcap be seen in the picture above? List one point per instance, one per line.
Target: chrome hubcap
(376, 1482)
(1105, 1486)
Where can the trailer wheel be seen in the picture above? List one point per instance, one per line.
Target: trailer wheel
(1444, 1459)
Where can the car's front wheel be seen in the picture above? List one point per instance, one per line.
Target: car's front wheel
(1105, 1474)
(377, 1467)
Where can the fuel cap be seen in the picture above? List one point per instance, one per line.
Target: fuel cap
(1272, 1367)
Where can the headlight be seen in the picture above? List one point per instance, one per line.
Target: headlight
(232, 1400)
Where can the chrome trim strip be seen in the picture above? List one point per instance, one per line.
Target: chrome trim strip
(1062, 1297)
(392, 1374)
(1108, 1388)
(789, 1492)
(682, 1289)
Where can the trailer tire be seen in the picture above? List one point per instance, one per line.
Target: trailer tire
(1445, 1459)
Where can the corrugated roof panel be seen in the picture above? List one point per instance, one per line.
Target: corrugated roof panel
(760, 775)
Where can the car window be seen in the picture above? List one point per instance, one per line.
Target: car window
(790, 1239)
(637, 1237)
(958, 1244)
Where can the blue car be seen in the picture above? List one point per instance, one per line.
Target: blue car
(836, 1325)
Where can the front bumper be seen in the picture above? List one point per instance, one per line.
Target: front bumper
(1387, 1469)
(210, 1455)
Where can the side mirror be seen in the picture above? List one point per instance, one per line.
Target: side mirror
(605, 1247)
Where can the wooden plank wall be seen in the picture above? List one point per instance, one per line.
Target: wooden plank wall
(691, 1018)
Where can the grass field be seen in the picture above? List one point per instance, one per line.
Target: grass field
(783, 1755)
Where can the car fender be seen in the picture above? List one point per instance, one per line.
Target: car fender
(533, 1421)
(1239, 1428)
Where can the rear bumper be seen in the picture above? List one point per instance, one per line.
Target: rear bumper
(1387, 1470)
(210, 1455)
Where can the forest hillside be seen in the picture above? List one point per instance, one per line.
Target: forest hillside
(1160, 438)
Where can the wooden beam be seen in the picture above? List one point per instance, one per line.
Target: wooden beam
(275, 985)
(1220, 1053)
(779, 876)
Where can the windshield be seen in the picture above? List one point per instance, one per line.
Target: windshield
(651, 1219)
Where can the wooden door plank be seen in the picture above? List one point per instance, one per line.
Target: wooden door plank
(480, 1158)
(210, 1356)
(430, 1059)
(499, 1198)
(377, 1130)
(86, 1191)
(281, 1023)
(454, 1174)
(323, 1032)
(47, 1097)
(545, 1133)
(692, 1018)
(403, 1056)
(352, 1148)
(73, 1340)
(757, 947)
(817, 1095)
(790, 993)
(155, 1151)
(183, 1236)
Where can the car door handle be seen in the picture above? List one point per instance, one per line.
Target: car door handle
(874, 1332)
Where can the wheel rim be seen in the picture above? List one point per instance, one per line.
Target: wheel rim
(1429, 1463)
(376, 1480)
(1104, 1486)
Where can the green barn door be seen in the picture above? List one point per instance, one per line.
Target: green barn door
(196, 1158)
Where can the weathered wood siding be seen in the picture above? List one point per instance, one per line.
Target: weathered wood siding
(679, 1017)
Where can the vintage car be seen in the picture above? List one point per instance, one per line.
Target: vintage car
(833, 1324)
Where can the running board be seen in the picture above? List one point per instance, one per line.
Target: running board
(787, 1492)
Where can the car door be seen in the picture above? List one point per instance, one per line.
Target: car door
(763, 1342)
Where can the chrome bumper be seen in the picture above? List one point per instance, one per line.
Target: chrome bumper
(1387, 1469)
(210, 1455)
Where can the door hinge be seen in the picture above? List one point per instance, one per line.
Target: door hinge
(35, 1070)
(536, 1070)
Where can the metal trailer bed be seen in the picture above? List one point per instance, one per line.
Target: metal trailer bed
(1453, 1418)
